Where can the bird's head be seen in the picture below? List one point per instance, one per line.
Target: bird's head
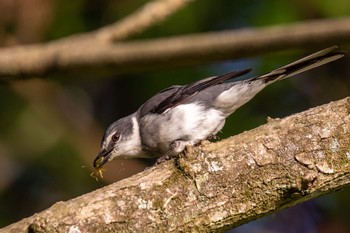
(121, 140)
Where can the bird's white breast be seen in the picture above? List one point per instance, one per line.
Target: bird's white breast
(185, 122)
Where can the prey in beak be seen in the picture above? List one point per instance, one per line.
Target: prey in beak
(102, 158)
(99, 161)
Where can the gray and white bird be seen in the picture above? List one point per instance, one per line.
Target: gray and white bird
(181, 116)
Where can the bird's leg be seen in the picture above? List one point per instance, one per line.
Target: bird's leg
(208, 139)
(163, 158)
(213, 137)
(175, 148)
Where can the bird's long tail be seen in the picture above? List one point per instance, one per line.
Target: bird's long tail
(314, 60)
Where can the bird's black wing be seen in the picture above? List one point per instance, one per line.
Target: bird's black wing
(157, 99)
(176, 95)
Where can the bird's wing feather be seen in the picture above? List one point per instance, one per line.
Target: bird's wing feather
(176, 95)
(158, 98)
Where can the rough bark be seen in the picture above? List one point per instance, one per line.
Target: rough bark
(218, 185)
(82, 54)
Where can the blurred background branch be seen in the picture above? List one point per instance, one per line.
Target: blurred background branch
(82, 54)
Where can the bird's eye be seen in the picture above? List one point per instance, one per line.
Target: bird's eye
(115, 137)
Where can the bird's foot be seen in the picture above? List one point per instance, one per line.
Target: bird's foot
(176, 148)
(163, 158)
(213, 137)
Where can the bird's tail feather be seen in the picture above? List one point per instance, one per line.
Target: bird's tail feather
(307, 63)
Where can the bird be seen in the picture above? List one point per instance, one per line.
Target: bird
(180, 117)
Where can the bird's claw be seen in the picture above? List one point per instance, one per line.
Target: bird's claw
(163, 159)
(213, 137)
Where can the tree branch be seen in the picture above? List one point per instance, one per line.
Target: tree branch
(86, 54)
(152, 13)
(218, 185)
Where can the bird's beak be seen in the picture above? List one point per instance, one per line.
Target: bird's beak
(102, 157)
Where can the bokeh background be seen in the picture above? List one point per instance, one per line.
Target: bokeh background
(50, 129)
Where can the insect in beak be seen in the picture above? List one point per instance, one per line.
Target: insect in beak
(102, 158)
(98, 173)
